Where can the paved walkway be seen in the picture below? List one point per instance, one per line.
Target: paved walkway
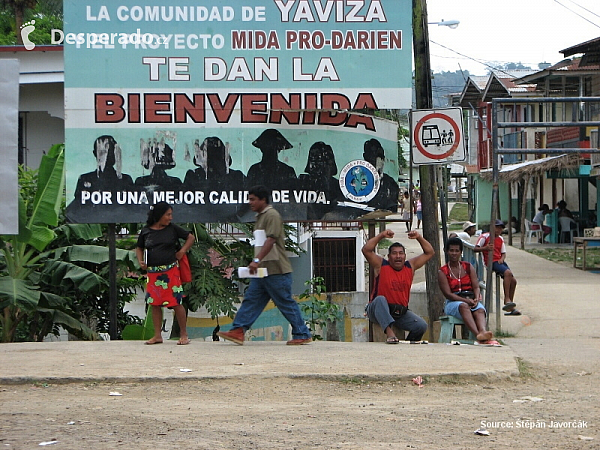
(559, 326)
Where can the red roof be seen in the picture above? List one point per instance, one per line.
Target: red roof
(38, 48)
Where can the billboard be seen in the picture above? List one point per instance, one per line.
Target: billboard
(194, 104)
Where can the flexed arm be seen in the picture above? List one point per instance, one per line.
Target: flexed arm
(419, 261)
(369, 250)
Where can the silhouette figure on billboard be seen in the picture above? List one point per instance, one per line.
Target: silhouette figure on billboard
(158, 157)
(387, 196)
(271, 172)
(197, 177)
(320, 178)
(98, 190)
(216, 174)
(106, 177)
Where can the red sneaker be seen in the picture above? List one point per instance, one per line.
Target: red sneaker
(236, 335)
(299, 341)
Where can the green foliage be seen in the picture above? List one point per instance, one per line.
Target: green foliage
(7, 28)
(459, 213)
(50, 275)
(214, 264)
(564, 256)
(445, 83)
(401, 118)
(321, 312)
(82, 252)
(384, 243)
(213, 276)
(43, 26)
(20, 293)
(47, 15)
(525, 369)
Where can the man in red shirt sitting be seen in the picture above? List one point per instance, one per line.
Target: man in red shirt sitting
(393, 280)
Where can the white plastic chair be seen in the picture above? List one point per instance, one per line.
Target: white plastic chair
(537, 230)
(565, 227)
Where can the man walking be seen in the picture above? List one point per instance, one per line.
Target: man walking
(269, 253)
(393, 280)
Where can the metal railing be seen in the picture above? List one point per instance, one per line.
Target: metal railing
(581, 116)
(476, 259)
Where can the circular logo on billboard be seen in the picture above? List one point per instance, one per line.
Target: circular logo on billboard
(359, 181)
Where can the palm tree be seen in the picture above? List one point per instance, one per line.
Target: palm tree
(19, 7)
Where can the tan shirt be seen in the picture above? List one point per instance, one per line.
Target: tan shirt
(276, 261)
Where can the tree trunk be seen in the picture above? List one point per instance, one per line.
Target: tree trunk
(19, 14)
(424, 100)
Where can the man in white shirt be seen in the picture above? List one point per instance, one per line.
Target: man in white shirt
(469, 230)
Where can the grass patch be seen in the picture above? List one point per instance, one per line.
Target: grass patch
(525, 369)
(503, 334)
(353, 380)
(564, 256)
(451, 380)
(459, 213)
(384, 243)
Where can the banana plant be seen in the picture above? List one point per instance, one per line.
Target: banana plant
(23, 254)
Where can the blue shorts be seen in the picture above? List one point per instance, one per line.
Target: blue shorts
(419, 215)
(451, 308)
(500, 268)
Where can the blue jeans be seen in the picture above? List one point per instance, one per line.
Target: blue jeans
(379, 311)
(500, 268)
(279, 289)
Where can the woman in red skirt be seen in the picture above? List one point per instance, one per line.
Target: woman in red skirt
(158, 253)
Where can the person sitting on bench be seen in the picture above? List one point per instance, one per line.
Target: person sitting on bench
(499, 265)
(460, 286)
(393, 280)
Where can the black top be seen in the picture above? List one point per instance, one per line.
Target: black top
(161, 244)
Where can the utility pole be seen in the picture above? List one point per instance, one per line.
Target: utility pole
(424, 100)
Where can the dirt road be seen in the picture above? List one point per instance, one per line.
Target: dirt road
(545, 408)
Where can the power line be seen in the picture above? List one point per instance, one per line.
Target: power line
(495, 69)
(577, 14)
(524, 63)
(584, 8)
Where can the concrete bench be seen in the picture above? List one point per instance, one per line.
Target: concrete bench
(448, 330)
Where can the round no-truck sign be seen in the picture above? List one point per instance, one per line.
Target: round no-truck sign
(437, 136)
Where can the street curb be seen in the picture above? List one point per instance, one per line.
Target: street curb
(491, 375)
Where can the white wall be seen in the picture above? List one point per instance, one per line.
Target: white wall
(41, 100)
(41, 132)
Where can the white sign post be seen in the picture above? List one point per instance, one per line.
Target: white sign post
(437, 136)
(9, 130)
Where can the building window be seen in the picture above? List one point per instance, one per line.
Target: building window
(334, 259)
